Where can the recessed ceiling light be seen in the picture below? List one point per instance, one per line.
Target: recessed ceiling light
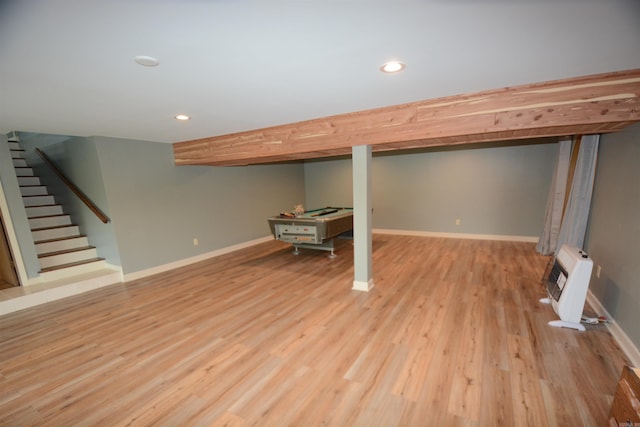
(182, 117)
(392, 67)
(147, 61)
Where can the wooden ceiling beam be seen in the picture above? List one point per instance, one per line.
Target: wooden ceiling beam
(591, 104)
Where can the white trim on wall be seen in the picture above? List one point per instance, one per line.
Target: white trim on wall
(531, 239)
(187, 261)
(623, 340)
(359, 285)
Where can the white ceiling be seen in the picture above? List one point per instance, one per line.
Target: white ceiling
(66, 66)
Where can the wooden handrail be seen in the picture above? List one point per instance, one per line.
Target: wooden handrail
(83, 197)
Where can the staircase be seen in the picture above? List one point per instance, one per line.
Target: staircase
(58, 242)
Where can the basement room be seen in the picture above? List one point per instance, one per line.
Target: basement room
(417, 213)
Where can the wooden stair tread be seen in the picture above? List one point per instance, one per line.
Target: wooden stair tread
(42, 216)
(42, 206)
(71, 264)
(59, 239)
(65, 251)
(55, 215)
(54, 227)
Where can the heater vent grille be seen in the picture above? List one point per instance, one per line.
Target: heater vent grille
(556, 281)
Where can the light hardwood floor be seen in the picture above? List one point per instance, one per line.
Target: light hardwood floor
(452, 334)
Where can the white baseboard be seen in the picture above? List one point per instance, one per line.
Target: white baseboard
(363, 286)
(509, 238)
(70, 273)
(623, 340)
(187, 261)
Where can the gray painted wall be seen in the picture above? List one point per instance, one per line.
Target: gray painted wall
(158, 208)
(83, 167)
(499, 190)
(614, 231)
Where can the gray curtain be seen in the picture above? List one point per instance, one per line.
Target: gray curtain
(570, 228)
(576, 215)
(553, 216)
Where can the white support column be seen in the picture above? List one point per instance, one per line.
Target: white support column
(362, 218)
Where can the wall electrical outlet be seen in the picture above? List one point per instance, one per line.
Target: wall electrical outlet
(195, 241)
(598, 271)
(458, 221)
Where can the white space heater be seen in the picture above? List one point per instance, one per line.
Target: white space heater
(567, 284)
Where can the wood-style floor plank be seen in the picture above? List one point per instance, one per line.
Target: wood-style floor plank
(451, 334)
